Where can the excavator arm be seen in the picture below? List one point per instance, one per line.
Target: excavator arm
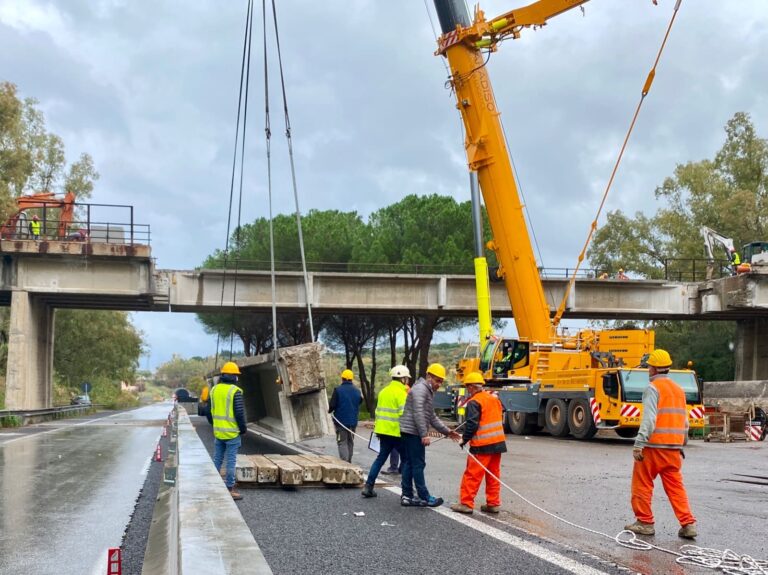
(711, 237)
(45, 200)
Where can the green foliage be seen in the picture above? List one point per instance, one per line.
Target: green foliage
(10, 421)
(31, 158)
(92, 345)
(179, 372)
(728, 194)
(708, 344)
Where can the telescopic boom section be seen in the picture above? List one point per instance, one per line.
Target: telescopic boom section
(487, 154)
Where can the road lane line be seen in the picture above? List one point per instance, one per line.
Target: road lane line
(523, 545)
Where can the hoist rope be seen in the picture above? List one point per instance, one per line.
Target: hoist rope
(246, 52)
(268, 140)
(307, 289)
(593, 226)
(728, 561)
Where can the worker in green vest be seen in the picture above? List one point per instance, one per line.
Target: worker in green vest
(389, 408)
(227, 416)
(34, 228)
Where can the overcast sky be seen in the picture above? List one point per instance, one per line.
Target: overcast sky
(149, 89)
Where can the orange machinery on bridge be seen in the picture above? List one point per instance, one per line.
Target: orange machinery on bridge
(15, 227)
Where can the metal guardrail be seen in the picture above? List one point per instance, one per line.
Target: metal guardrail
(25, 414)
(695, 269)
(361, 267)
(91, 225)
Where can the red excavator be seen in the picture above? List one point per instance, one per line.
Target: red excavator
(16, 226)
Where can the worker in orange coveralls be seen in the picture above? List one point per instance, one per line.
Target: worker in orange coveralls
(659, 449)
(485, 434)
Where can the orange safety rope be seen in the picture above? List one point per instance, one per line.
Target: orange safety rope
(593, 227)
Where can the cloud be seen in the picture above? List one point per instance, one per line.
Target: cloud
(151, 93)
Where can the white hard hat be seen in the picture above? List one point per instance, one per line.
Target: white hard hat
(399, 371)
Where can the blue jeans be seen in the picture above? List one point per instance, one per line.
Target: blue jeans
(229, 448)
(394, 460)
(388, 443)
(414, 461)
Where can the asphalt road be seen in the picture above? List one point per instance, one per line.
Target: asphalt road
(69, 489)
(315, 530)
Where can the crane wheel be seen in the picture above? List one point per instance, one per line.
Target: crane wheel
(521, 423)
(556, 418)
(580, 419)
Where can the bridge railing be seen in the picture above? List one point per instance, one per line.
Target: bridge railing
(98, 223)
(695, 269)
(403, 268)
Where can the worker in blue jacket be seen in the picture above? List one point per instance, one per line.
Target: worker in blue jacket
(345, 406)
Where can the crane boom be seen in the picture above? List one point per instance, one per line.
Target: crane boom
(487, 152)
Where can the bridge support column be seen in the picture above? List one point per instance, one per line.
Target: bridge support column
(29, 377)
(752, 349)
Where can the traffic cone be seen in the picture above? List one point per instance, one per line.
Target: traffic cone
(158, 453)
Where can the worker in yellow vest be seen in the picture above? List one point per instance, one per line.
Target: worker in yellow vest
(227, 415)
(34, 228)
(389, 408)
(484, 432)
(659, 449)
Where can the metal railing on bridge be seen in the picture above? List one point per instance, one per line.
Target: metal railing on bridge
(695, 269)
(97, 223)
(387, 268)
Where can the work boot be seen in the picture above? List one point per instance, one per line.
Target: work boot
(368, 491)
(461, 508)
(688, 531)
(490, 508)
(235, 495)
(641, 528)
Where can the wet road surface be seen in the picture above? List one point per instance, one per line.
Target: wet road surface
(68, 488)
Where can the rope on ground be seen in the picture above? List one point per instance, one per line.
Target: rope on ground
(729, 562)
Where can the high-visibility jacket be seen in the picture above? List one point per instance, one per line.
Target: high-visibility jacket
(671, 429)
(34, 227)
(223, 411)
(490, 429)
(735, 259)
(389, 408)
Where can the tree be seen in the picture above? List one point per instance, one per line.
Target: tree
(95, 344)
(728, 194)
(33, 159)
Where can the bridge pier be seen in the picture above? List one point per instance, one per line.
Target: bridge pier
(29, 377)
(752, 349)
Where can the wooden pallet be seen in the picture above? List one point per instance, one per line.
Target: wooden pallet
(273, 470)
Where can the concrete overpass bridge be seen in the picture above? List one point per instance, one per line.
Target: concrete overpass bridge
(38, 277)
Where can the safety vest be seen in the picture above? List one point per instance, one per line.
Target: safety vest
(34, 227)
(223, 411)
(490, 429)
(671, 416)
(389, 408)
(735, 259)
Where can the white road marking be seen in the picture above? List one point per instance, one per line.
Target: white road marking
(523, 545)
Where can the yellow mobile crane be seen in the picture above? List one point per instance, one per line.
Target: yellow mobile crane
(568, 384)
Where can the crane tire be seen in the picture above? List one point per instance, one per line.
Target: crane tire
(519, 423)
(580, 419)
(556, 418)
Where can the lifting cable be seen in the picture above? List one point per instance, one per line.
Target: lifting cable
(728, 561)
(287, 119)
(242, 105)
(593, 226)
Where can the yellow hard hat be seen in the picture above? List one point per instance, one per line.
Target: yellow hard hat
(437, 370)
(474, 378)
(347, 374)
(659, 358)
(231, 368)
